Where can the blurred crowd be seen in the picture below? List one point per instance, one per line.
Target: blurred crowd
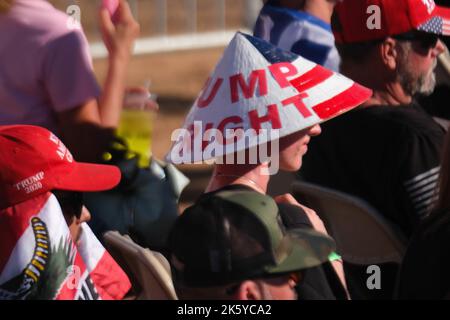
(357, 92)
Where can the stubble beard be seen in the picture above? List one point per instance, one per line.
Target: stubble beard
(413, 84)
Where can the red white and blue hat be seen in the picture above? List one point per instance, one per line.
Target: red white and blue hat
(353, 20)
(257, 86)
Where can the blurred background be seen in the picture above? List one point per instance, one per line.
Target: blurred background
(180, 43)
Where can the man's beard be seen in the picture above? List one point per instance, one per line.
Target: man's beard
(423, 84)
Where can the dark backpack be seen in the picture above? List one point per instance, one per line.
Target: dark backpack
(145, 203)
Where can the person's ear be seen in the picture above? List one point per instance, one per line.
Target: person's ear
(249, 290)
(388, 53)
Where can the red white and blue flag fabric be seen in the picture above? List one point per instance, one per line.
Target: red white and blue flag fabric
(439, 22)
(299, 32)
(39, 260)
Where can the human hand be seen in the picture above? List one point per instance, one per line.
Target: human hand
(312, 215)
(119, 36)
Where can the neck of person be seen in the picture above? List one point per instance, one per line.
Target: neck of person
(390, 97)
(387, 90)
(253, 176)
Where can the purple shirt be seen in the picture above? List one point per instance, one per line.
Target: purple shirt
(45, 65)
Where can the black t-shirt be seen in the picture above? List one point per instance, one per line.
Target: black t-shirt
(436, 103)
(319, 283)
(425, 269)
(388, 156)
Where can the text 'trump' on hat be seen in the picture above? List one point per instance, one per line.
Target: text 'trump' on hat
(231, 236)
(34, 161)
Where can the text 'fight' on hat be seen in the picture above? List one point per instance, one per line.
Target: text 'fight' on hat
(367, 20)
(230, 236)
(258, 86)
(34, 161)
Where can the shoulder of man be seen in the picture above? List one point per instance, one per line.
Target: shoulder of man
(412, 118)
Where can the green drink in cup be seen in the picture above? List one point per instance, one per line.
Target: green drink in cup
(136, 123)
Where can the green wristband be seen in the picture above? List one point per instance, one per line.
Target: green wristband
(334, 256)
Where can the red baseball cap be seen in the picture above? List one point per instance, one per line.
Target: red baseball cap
(34, 161)
(356, 20)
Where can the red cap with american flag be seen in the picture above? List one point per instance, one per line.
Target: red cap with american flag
(367, 20)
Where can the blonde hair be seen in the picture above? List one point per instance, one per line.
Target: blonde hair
(5, 5)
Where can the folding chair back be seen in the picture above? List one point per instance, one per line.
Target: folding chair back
(362, 235)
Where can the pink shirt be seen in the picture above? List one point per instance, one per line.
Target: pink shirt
(45, 66)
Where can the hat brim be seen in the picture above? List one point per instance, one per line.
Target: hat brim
(89, 177)
(309, 249)
(342, 103)
(439, 23)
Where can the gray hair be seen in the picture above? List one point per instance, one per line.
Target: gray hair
(355, 53)
(359, 54)
(411, 82)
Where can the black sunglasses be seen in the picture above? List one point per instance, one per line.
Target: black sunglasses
(426, 40)
(71, 202)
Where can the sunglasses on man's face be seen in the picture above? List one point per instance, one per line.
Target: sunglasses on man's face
(425, 40)
(71, 202)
